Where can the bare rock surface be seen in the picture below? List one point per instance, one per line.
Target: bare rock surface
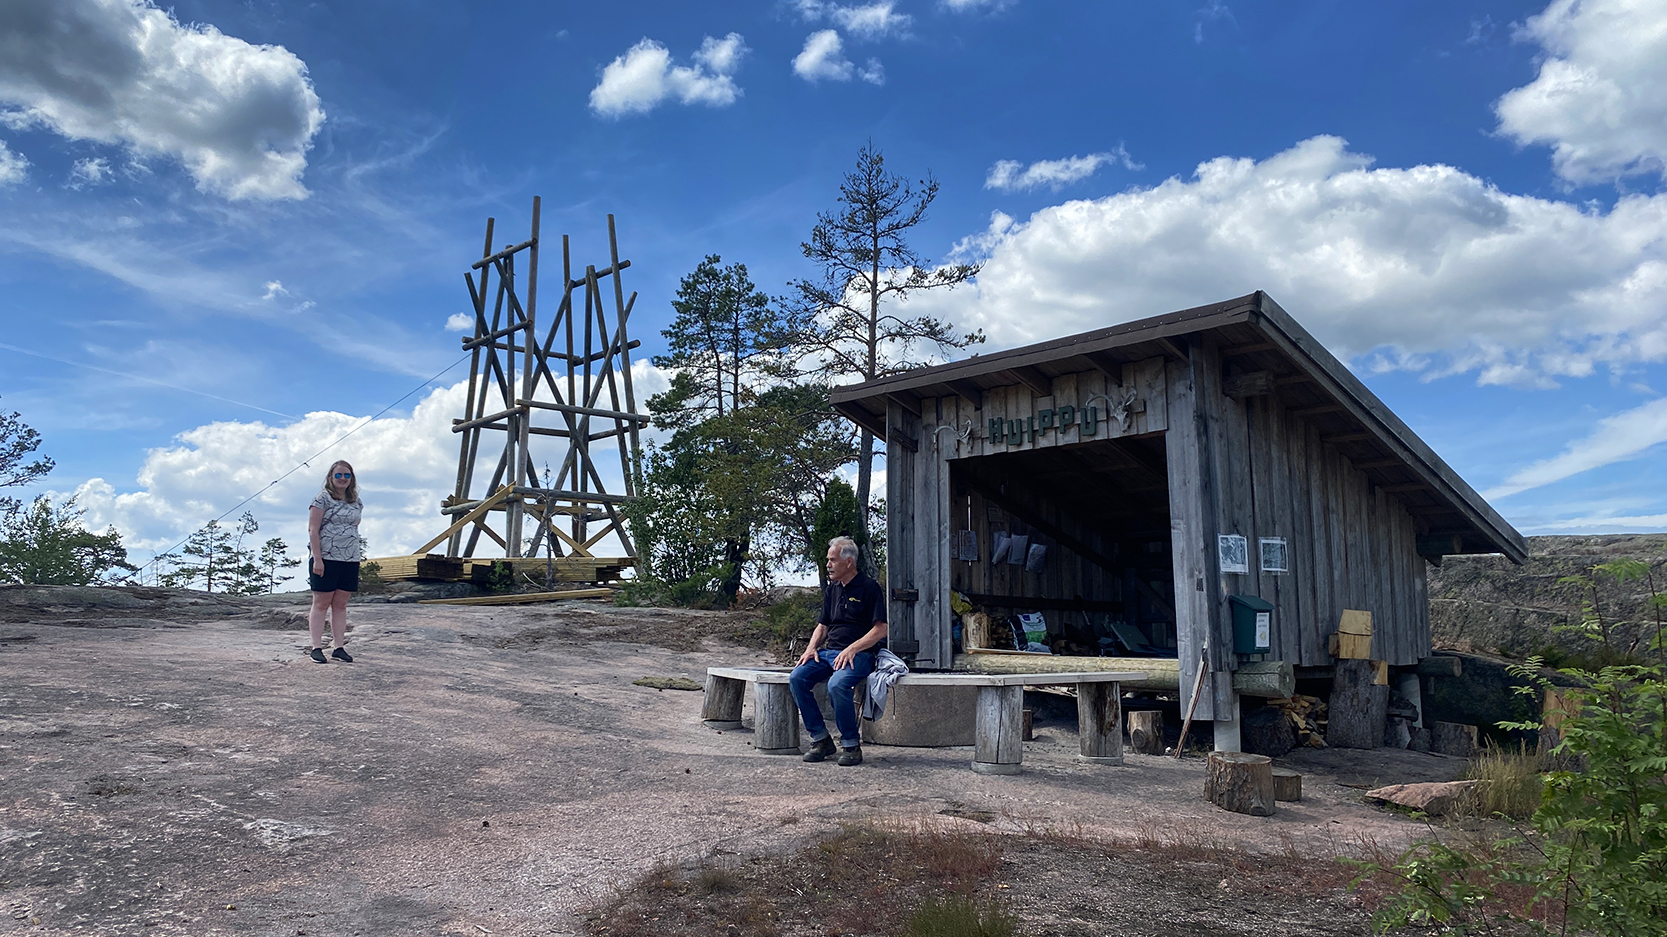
(173, 764)
(1434, 798)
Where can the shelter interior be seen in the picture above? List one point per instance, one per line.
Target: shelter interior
(1102, 508)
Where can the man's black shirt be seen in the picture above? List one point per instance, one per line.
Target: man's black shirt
(851, 610)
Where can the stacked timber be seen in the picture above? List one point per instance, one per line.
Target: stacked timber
(1308, 717)
(562, 568)
(421, 566)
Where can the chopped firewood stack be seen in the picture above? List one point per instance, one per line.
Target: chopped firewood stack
(1308, 715)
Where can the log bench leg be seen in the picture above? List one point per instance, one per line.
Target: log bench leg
(722, 707)
(998, 748)
(776, 724)
(1100, 722)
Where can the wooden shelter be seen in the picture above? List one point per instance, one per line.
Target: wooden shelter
(1170, 469)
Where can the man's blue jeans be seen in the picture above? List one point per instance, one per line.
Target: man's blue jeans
(841, 684)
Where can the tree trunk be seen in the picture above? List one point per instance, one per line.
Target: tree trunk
(865, 481)
(735, 554)
(1146, 731)
(1358, 707)
(1240, 782)
(1287, 784)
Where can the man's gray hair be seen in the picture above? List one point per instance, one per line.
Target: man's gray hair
(846, 546)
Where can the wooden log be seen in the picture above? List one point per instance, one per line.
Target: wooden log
(976, 633)
(997, 748)
(1146, 731)
(1440, 665)
(722, 707)
(1100, 723)
(1358, 707)
(776, 719)
(1452, 738)
(1240, 782)
(1268, 731)
(1160, 673)
(1287, 784)
(525, 598)
(1270, 679)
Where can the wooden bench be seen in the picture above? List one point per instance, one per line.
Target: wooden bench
(997, 747)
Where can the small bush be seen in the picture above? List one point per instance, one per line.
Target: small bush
(638, 593)
(792, 618)
(960, 917)
(370, 578)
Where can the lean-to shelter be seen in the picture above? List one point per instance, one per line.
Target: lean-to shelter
(1174, 471)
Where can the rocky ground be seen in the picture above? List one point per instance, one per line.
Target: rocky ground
(171, 763)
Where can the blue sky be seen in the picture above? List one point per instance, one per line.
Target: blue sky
(225, 245)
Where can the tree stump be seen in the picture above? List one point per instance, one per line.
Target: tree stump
(776, 721)
(1287, 784)
(1100, 723)
(1451, 738)
(997, 748)
(1240, 782)
(1268, 731)
(1358, 707)
(1146, 731)
(722, 707)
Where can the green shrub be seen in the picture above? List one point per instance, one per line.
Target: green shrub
(370, 578)
(792, 618)
(1511, 782)
(960, 917)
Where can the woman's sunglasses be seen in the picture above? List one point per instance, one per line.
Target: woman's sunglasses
(344, 474)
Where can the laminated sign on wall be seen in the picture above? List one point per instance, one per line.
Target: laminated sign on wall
(1235, 553)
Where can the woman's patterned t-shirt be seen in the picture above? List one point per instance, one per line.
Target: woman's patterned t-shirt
(338, 535)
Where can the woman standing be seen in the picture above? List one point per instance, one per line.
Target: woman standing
(333, 536)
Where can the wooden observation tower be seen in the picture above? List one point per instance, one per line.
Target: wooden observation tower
(549, 435)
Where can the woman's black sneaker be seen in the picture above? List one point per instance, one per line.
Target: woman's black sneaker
(318, 655)
(341, 654)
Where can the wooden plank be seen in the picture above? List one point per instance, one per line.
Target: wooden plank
(902, 526)
(1287, 591)
(525, 598)
(1336, 539)
(1150, 377)
(1305, 551)
(1254, 384)
(1191, 528)
(932, 613)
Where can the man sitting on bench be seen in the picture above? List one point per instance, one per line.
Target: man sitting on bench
(842, 649)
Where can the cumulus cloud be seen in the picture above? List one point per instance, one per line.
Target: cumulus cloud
(1011, 175)
(644, 77)
(460, 322)
(239, 117)
(13, 167)
(823, 57)
(1616, 438)
(406, 464)
(1600, 99)
(1435, 269)
(967, 6)
(876, 20)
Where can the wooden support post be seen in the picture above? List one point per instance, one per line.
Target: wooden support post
(1146, 731)
(775, 719)
(1240, 782)
(722, 707)
(1287, 784)
(1100, 723)
(997, 748)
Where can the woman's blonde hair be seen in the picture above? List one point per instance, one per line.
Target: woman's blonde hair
(352, 483)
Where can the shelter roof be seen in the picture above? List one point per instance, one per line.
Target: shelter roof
(1257, 340)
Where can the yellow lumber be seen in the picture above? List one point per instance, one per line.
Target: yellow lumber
(466, 520)
(1355, 622)
(526, 598)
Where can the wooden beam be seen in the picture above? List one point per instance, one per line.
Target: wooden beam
(1284, 379)
(1107, 365)
(525, 598)
(1379, 463)
(1347, 437)
(467, 519)
(1254, 384)
(1410, 486)
(1315, 411)
(1235, 350)
(968, 391)
(1440, 545)
(1027, 601)
(1027, 513)
(1034, 379)
(1171, 349)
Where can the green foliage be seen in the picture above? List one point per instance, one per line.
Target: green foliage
(370, 578)
(1596, 852)
(215, 559)
(957, 916)
(17, 441)
(46, 544)
(794, 617)
(1618, 641)
(500, 578)
(1511, 783)
(836, 516)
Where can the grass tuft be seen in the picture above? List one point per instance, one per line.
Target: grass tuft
(1511, 782)
(960, 917)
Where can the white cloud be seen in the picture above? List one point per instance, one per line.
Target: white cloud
(644, 77)
(965, 6)
(13, 167)
(1441, 271)
(240, 117)
(460, 322)
(1603, 524)
(1011, 175)
(94, 170)
(1616, 438)
(822, 58)
(873, 72)
(1600, 99)
(874, 21)
(406, 464)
